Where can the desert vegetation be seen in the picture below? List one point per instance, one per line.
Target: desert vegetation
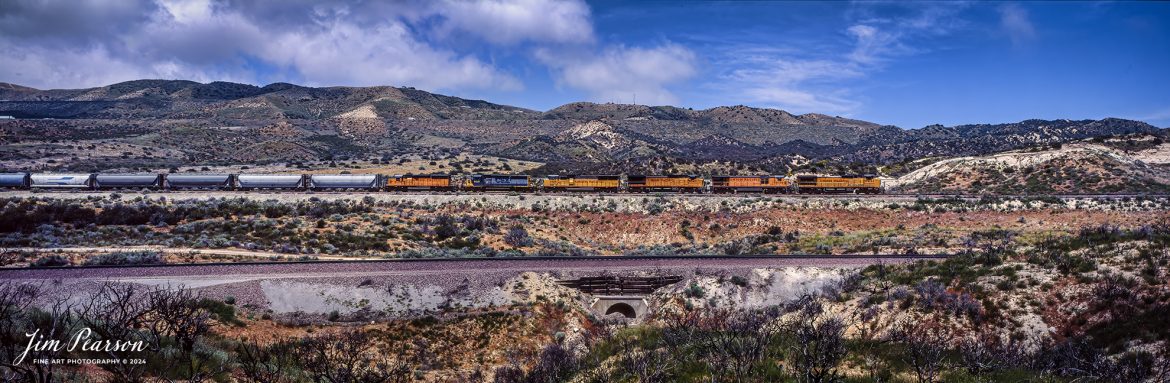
(1038, 289)
(1085, 307)
(517, 225)
(544, 225)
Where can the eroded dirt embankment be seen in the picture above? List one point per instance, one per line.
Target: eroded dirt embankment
(393, 290)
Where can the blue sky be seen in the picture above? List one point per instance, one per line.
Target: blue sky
(901, 63)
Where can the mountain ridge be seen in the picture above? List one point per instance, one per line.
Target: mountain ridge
(346, 122)
(580, 110)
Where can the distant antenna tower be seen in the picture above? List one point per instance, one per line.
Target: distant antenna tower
(635, 98)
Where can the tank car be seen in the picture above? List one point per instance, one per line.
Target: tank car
(61, 181)
(199, 181)
(14, 180)
(270, 182)
(128, 181)
(344, 181)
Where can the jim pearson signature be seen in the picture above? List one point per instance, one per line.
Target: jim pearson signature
(80, 341)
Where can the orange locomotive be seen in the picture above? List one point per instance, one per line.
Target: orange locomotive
(419, 182)
(750, 184)
(823, 185)
(555, 183)
(682, 184)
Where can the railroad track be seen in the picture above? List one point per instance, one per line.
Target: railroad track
(470, 265)
(507, 259)
(566, 194)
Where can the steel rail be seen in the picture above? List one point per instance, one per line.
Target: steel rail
(500, 259)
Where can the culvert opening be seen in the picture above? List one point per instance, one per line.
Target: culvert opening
(622, 308)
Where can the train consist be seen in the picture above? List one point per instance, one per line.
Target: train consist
(801, 184)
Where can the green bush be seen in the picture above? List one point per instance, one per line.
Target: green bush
(53, 260)
(146, 257)
(695, 291)
(223, 312)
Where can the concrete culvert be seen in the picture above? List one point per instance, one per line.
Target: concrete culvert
(622, 308)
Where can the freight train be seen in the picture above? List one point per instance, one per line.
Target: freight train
(764, 184)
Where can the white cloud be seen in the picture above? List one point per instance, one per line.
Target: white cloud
(354, 43)
(795, 85)
(872, 44)
(1015, 22)
(194, 32)
(513, 21)
(187, 11)
(56, 68)
(780, 71)
(619, 73)
(800, 101)
(344, 54)
(793, 81)
(820, 79)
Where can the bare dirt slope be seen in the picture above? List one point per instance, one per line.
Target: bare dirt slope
(1074, 168)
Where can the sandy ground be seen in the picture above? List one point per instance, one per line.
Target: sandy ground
(1013, 159)
(1021, 159)
(1159, 155)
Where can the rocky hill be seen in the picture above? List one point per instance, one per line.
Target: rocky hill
(187, 99)
(222, 122)
(1082, 167)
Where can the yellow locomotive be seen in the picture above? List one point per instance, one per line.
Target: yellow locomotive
(824, 185)
(750, 184)
(557, 183)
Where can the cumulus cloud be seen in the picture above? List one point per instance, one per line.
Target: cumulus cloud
(71, 22)
(1015, 22)
(386, 54)
(510, 22)
(50, 44)
(619, 73)
(49, 68)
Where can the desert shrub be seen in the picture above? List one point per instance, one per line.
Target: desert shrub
(221, 311)
(25, 215)
(518, 237)
(52, 260)
(818, 342)
(561, 249)
(350, 356)
(441, 227)
(555, 364)
(145, 257)
(695, 291)
(656, 251)
(925, 348)
(440, 252)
